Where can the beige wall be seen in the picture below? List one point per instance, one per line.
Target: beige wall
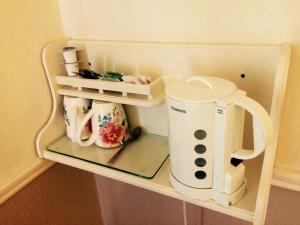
(61, 196)
(26, 26)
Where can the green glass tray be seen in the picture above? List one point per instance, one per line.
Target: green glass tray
(142, 158)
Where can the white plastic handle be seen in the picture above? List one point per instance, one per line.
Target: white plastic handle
(200, 79)
(80, 127)
(262, 127)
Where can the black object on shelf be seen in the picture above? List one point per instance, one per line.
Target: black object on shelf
(89, 74)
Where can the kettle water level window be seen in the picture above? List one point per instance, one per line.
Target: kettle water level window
(200, 134)
(200, 175)
(200, 149)
(200, 162)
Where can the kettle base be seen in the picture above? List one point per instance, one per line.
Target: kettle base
(230, 199)
(203, 194)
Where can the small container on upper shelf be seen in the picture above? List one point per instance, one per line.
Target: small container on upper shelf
(71, 62)
(69, 54)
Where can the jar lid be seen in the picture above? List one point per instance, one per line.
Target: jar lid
(200, 89)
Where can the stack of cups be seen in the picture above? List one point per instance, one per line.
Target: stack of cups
(71, 62)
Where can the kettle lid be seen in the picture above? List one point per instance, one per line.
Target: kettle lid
(200, 89)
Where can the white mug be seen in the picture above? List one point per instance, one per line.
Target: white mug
(74, 111)
(69, 54)
(109, 125)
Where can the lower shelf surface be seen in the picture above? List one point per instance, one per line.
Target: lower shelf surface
(159, 183)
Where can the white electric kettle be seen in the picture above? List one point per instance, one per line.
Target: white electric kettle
(206, 124)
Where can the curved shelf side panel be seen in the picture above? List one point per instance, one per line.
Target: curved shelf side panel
(279, 87)
(54, 127)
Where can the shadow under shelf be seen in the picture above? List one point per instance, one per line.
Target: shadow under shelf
(142, 158)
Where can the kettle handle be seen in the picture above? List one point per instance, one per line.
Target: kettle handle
(80, 127)
(262, 127)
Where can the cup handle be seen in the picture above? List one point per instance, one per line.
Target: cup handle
(262, 127)
(80, 127)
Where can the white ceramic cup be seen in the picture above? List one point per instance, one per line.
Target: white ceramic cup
(109, 125)
(72, 68)
(69, 54)
(74, 111)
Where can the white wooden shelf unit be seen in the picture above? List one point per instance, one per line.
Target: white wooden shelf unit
(264, 66)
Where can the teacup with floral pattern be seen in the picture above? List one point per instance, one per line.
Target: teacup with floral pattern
(109, 125)
(74, 110)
